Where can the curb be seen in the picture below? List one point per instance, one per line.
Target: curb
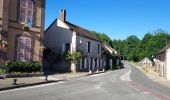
(26, 85)
(46, 82)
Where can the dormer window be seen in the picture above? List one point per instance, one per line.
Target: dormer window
(26, 12)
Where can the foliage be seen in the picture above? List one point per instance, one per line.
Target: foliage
(72, 57)
(3, 70)
(18, 66)
(136, 49)
(102, 37)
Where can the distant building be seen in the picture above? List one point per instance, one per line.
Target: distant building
(62, 36)
(110, 57)
(146, 62)
(162, 62)
(21, 30)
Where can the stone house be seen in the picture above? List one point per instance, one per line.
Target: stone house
(21, 30)
(110, 57)
(146, 62)
(62, 36)
(162, 62)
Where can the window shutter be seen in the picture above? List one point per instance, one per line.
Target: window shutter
(27, 49)
(85, 63)
(81, 63)
(22, 17)
(98, 63)
(20, 49)
(26, 11)
(63, 48)
(29, 12)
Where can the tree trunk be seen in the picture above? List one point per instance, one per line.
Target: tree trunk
(73, 67)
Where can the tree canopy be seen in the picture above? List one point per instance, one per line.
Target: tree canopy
(135, 49)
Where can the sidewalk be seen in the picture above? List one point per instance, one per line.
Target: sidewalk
(6, 84)
(152, 75)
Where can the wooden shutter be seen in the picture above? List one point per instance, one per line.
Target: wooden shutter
(23, 11)
(26, 11)
(63, 48)
(24, 49)
(27, 49)
(29, 11)
(20, 49)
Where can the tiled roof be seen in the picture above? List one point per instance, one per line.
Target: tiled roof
(81, 31)
(110, 49)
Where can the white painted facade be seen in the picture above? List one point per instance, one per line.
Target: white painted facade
(167, 64)
(162, 63)
(59, 34)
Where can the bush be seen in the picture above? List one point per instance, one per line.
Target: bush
(23, 67)
(3, 70)
(72, 57)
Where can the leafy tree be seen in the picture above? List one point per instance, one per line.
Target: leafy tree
(135, 49)
(73, 58)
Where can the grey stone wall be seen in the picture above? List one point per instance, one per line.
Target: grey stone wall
(82, 46)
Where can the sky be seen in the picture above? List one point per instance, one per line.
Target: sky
(116, 18)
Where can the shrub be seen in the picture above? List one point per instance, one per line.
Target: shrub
(72, 57)
(23, 67)
(3, 69)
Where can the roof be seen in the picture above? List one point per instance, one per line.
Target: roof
(81, 31)
(164, 49)
(109, 49)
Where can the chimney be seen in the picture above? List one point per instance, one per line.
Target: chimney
(63, 15)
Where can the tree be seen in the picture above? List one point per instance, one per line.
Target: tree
(131, 45)
(73, 58)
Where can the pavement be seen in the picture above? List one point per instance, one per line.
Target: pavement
(124, 84)
(7, 83)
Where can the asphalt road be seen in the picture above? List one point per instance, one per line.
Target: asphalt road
(125, 84)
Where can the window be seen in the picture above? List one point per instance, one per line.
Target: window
(82, 63)
(88, 47)
(24, 49)
(66, 48)
(26, 12)
(98, 48)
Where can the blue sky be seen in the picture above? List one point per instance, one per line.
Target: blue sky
(117, 18)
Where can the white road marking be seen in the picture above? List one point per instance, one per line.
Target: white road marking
(49, 78)
(126, 76)
(100, 74)
(25, 88)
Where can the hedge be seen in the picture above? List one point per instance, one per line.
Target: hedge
(23, 67)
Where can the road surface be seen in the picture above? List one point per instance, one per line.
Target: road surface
(124, 84)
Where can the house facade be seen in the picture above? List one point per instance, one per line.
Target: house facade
(21, 30)
(62, 36)
(162, 62)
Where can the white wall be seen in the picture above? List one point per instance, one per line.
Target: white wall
(167, 68)
(57, 35)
